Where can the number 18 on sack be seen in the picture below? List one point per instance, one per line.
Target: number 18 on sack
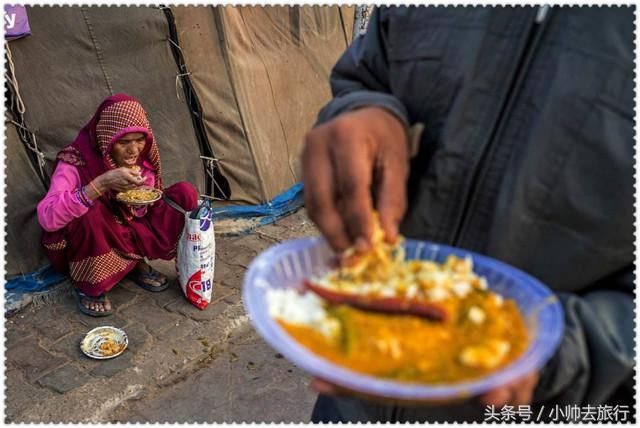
(196, 256)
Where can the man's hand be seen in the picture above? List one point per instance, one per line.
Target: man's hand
(516, 393)
(353, 164)
(327, 388)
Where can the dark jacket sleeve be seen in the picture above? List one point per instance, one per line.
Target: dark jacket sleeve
(361, 75)
(596, 356)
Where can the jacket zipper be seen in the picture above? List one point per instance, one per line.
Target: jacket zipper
(479, 169)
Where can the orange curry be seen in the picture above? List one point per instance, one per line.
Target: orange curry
(414, 349)
(367, 325)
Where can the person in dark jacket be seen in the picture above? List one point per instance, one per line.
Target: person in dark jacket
(526, 156)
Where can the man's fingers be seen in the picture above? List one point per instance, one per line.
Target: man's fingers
(326, 388)
(498, 397)
(320, 195)
(353, 166)
(323, 387)
(357, 211)
(516, 393)
(391, 197)
(523, 394)
(338, 163)
(522, 397)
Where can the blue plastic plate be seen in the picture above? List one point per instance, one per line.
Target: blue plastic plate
(285, 266)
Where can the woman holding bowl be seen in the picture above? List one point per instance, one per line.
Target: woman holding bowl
(88, 233)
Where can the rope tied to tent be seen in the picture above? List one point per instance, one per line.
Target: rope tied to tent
(212, 163)
(177, 46)
(12, 81)
(27, 136)
(179, 83)
(33, 147)
(182, 68)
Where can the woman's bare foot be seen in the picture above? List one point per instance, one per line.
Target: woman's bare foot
(98, 306)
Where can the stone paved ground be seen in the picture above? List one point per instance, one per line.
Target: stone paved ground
(182, 364)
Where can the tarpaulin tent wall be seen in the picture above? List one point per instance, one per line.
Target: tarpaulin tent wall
(75, 57)
(260, 76)
(271, 64)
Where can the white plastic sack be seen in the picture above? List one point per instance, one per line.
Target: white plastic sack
(195, 259)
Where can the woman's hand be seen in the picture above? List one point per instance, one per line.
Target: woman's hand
(119, 179)
(353, 164)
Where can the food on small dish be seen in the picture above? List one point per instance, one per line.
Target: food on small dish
(143, 195)
(104, 342)
(110, 347)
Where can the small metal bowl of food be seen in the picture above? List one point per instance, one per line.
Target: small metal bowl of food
(104, 342)
(140, 196)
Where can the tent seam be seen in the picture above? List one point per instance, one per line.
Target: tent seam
(275, 106)
(98, 51)
(195, 111)
(225, 55)
(344, 30)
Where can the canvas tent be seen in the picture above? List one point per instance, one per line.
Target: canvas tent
(241, 84)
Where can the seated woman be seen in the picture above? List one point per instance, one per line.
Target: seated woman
(88, 233)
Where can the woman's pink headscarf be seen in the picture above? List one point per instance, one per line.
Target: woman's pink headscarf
(118, 115)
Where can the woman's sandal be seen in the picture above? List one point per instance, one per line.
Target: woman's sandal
(141, 278)
(80, 296)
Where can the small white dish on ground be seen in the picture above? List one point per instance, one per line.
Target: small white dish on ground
(104, 342)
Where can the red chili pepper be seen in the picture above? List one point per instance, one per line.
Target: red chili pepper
(389, 305)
